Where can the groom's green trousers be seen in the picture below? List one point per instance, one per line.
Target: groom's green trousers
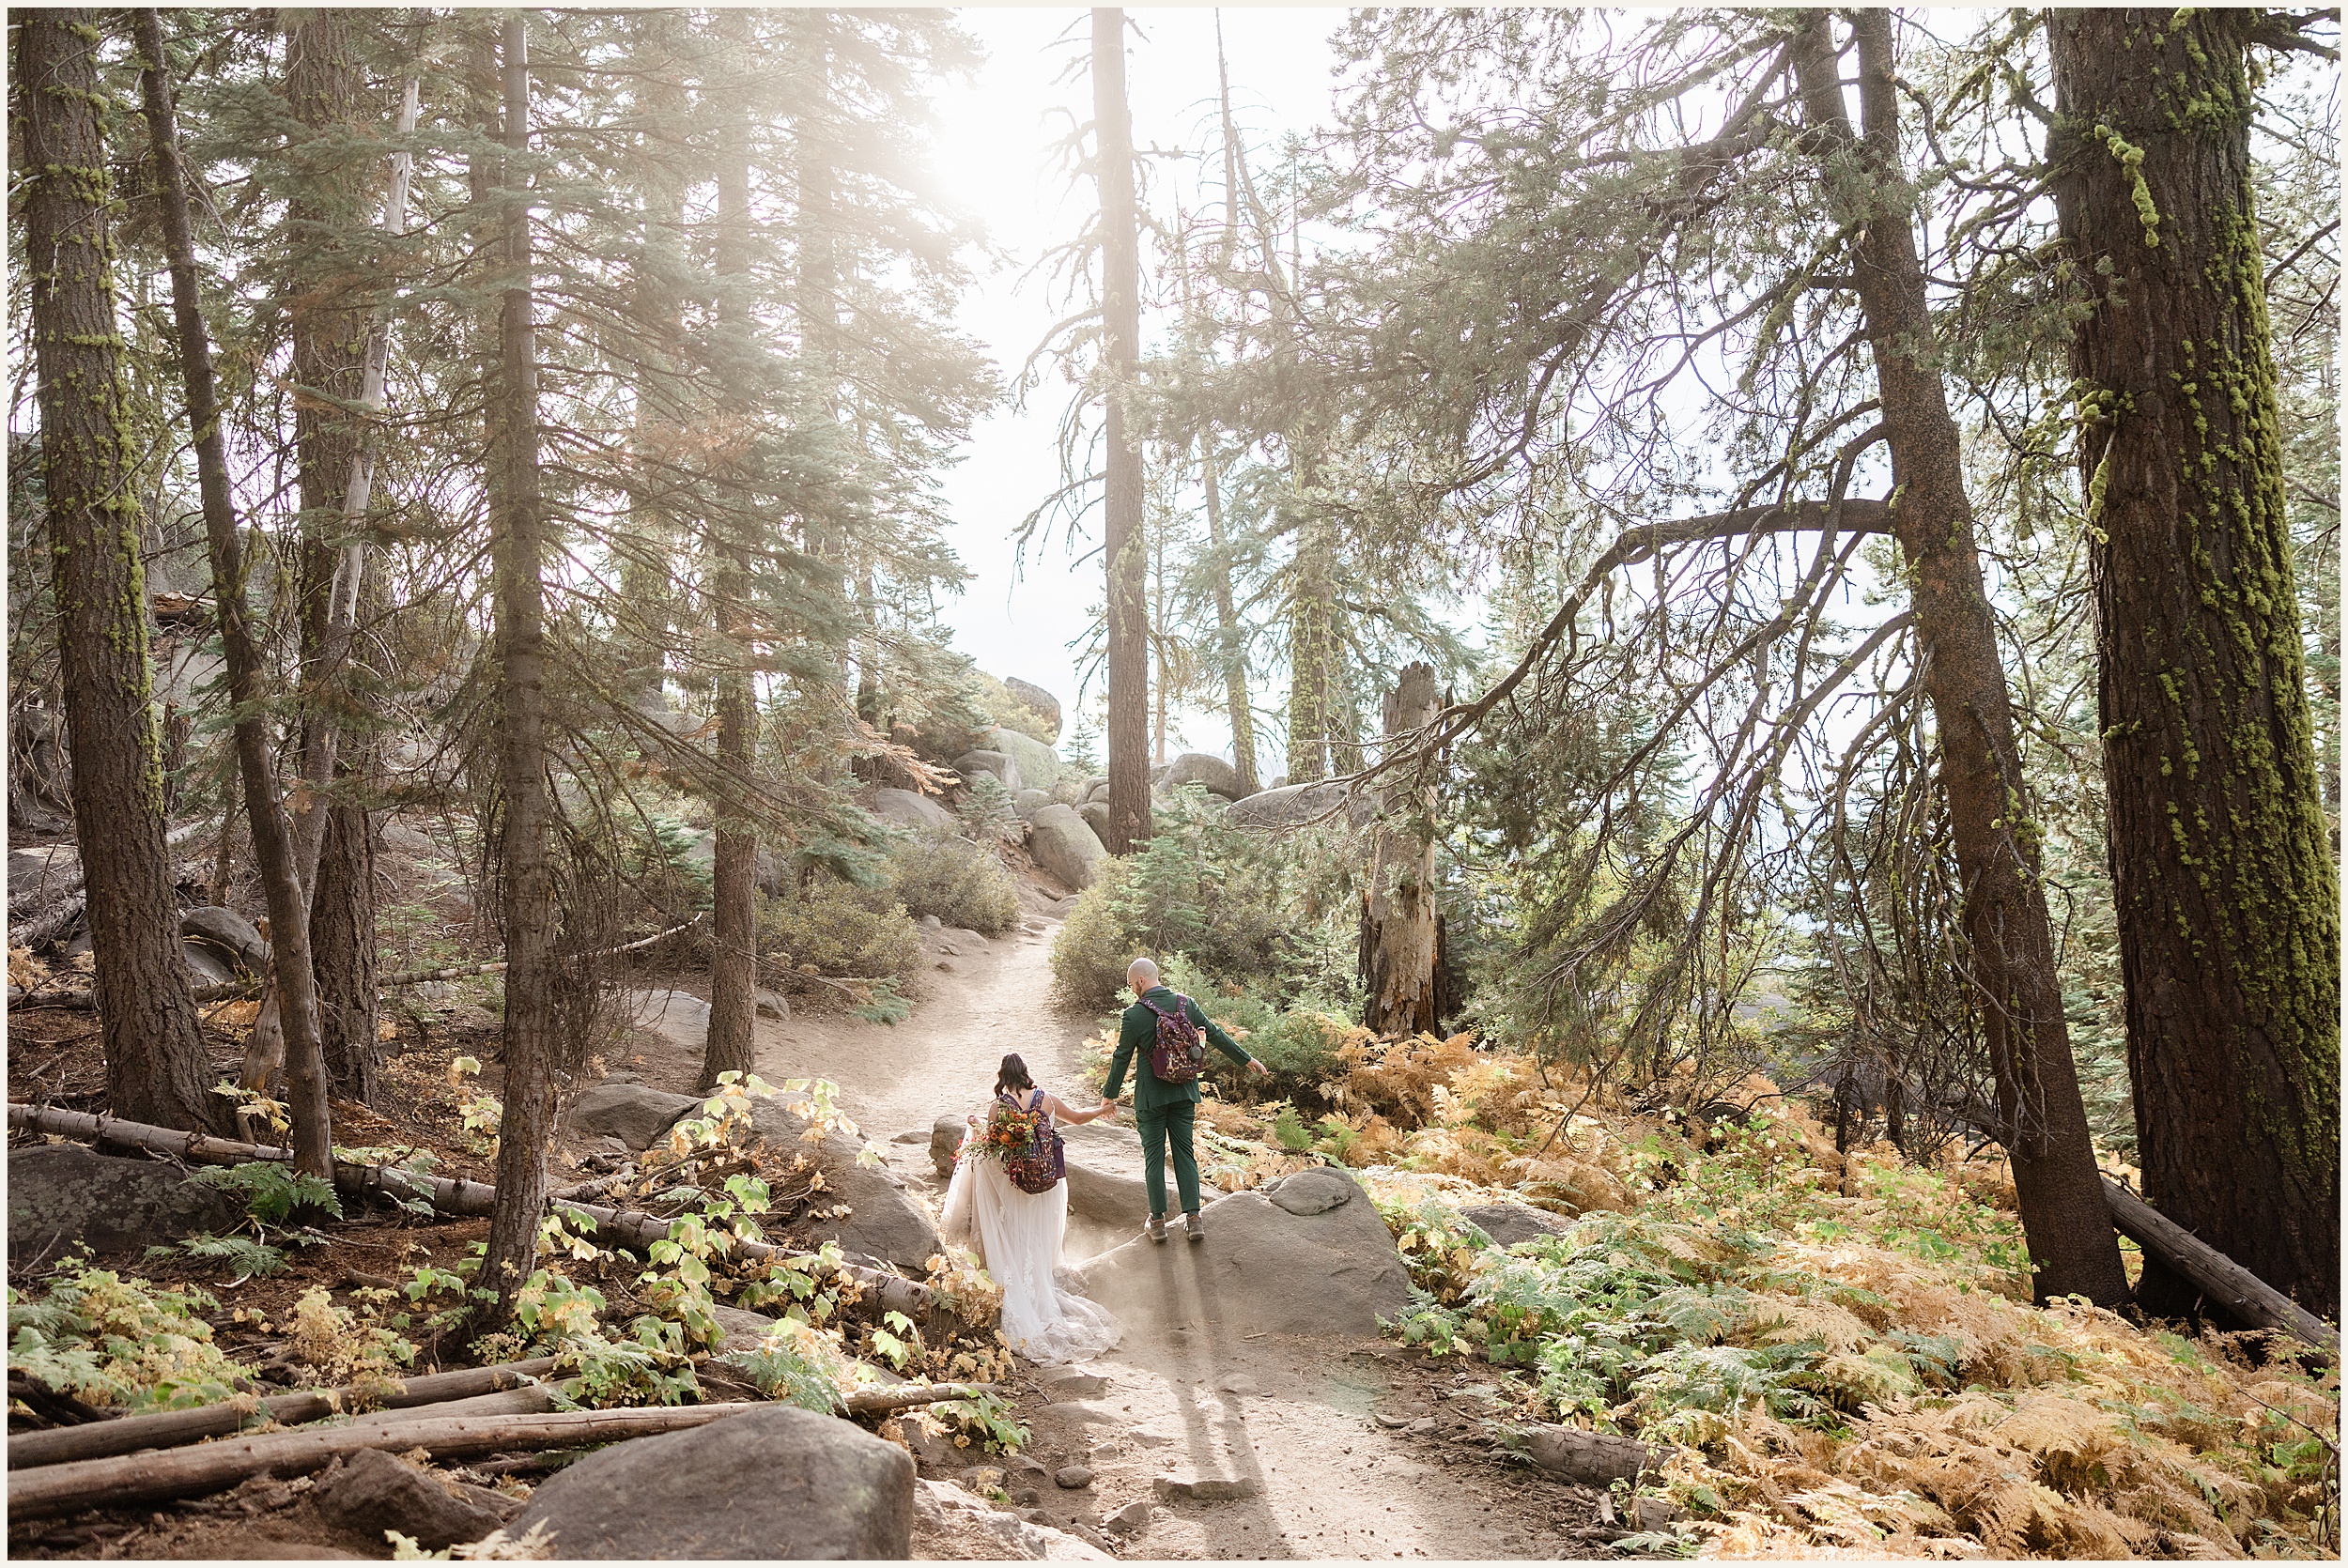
(1158, 1126)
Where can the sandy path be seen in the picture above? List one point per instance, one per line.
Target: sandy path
(1294, 1420)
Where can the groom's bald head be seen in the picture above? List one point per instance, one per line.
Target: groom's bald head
(1141, 975)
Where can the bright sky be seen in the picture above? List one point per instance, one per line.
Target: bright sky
(996, 154)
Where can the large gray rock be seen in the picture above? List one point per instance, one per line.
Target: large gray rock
(1040, 702)
(778, 1482)
(207, 963)
(61, 1194)
(946, 1141)
(1096, 816)
(1000, 763)
(1104, 1180)
(1065, 845)
(1217, 776)
(1508, 1223)
(228, 931)
(1037, 763)
(678, 1017)
(1026, 802)
(882, 1222)
(371, 1492)
(1096, 788)
(1294, 804)
(636, 1116)
(43, 871)
(1263, 1268)
(907, 810)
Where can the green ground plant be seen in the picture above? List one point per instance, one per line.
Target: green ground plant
(960, 882)
(111, 1341)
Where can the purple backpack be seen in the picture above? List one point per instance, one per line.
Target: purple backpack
(1039, 1166)
(1179, 1049)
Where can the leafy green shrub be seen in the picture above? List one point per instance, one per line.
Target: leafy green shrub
(995, 699)
(1089, 955)
(960, 883)
(106, 1340)
(1296, 1040)
(829, 929)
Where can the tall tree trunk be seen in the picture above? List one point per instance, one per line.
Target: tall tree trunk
(337, 351)
(519, 549)
(2227, 899)
(733, 1045)
(155, 1062)
(1125, 554)
(1229, 651)
(647, 588)
(1313, 720)
(292, 979)
(1398, 942)
(2009, 938)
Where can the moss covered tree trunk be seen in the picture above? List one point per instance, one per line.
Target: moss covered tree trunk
(2228, 899)
(732, 1044)
(1399, 955)
(518, 546)
(327, 271)
(155, 1063)
(1314, 699)
(2009, 937)
(1123, 554)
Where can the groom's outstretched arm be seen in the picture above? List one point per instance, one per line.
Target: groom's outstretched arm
(1129, 1035)
(1216, 1037)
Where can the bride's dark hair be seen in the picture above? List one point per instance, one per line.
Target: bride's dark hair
(1012, 1075)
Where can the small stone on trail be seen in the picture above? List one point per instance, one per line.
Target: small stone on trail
(1075, 1477)
(1392, 1423)
(1238, 1382)
(1422, 1426)
(912, 1135)
(1204, 1488)
(1130, 1517)
(372, 1492)
(1068, 1382)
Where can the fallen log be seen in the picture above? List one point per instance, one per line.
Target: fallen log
(2228, 1287)
(55, 1490)
(618, 1227)
(905, 1396)
(175, 1428)
(1593, 1458)
(38, 930)
(492, 966)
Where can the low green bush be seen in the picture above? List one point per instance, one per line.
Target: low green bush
(1089, 955)
(960, 883)
(828, 928)
(1296, 1042)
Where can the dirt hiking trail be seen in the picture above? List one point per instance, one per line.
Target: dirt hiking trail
(1190, 1440)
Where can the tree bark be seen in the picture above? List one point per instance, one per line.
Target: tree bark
(528, 910)
(1229, 647)
(155, 1060)
(2228, 901)
(291, 976)
(1124, 555)
(1398, 957)
(2010, 940)
(54, 1490)
(1313, 723)
(98, 1439)
(732, 1044)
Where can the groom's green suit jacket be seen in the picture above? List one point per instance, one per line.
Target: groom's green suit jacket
(1139, 1032)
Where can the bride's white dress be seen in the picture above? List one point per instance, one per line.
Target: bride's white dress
(1017, 1236)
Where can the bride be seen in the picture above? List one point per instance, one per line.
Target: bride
(1017, 1235)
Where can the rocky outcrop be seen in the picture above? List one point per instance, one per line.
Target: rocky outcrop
(63, 1193)
(371, 1492)
(783, 1482)
(229, 933)
(678, 1017)
(1000, 763)
(907, 810)
(1295, 805)
(635, 1114)
(1064, 844)
(1036, 700)
(1095, 815)
(1037, 763)
(1026, 802)
(1213, 773)
(1508, 1223)
(883, 1223)
(1307, 1255)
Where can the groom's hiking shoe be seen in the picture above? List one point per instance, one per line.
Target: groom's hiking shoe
(1156, 1230)
(1193, 1227)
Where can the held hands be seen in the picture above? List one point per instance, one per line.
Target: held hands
(1108, 1107)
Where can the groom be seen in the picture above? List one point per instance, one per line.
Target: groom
(1164, 1111)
